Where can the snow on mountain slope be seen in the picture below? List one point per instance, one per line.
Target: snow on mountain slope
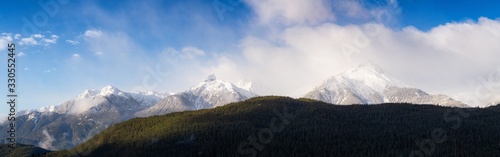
(417, 96)
(368, 84)
(149, 98)
(76, 120)
(105, 91)
(93, 97)
(246, 85)
(207, 94)
(212, 92)
(50, 108)
(493, 102)
(45, 109)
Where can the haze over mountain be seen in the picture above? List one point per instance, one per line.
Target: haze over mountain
(368, 84)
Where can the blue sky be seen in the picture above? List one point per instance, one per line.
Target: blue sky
(174, 44)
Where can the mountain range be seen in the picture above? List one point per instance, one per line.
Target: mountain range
(208, 94)
(74, 121)
(282, 126)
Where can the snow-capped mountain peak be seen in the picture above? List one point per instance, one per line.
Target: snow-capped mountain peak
(214, 92)
(88, 93)
(50, 108)
(105, 91)
(207, 94)
(212, 85)
(364, 81)
(110, 90)
(369, 84)
(210, 78)
(371, 75)
(246, 85)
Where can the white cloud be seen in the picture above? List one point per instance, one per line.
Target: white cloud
(26, 69)
(4, 40)
(93, 33)
(192, 52)
(17, 36)
(21, 54)
(447, 59)
(76, 55)
(52, 40)
(73, 42)
(363, 11)
(352, 9)
(82, 105)
(292, 11)
(38, 36)
(309, 49)
(186, 53)
(49, 41)
(29, 41)
(113, 44)
(39, 39)
(47, 71)
(47, 142)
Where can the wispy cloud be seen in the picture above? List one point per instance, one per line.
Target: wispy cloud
(93, 33)
(286, 46)
(298, 57)
(38, 36)
(38, 39)
(21, 54)
(17, 36)
(47, 142)
(292, 11)
(73, 42)
(29, 41)
(4, 40)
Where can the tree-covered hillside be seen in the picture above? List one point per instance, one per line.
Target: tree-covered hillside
(21, 150)
(280, 126)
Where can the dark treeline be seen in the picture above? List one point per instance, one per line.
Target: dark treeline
(21, 150)
(280, 126)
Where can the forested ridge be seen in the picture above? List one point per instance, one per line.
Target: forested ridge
(282, 126)
(21, 150)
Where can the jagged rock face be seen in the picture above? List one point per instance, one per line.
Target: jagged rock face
(370, 85)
